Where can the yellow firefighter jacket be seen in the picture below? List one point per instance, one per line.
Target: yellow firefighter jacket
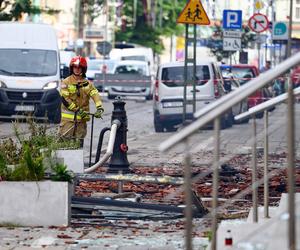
(76, 95)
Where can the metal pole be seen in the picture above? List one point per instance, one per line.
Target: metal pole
(215, 183)
(254, 173)
(289, 43)
(185, 72)
(291, 167)
(91, 143)
(120, 183)
(194, 69)
(258, 49)
(188, 199)
(80, 25)
(266, 152)
(273, 59)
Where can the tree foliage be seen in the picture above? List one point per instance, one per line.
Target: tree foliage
(148, 25)
(13, 10)
(93, 8)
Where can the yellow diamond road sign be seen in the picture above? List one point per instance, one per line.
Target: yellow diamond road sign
(193, 13)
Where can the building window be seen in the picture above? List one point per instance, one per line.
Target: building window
(297, 1)
(297, 13)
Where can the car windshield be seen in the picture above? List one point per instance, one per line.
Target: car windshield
(173, 76)
(28, 62)
(131, 69)
(98, 65)
(243, 75)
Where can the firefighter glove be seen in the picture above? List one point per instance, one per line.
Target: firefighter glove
(83, 114)
(99, 112)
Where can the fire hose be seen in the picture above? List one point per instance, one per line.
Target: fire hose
(112, 136)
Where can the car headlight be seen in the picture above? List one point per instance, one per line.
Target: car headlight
(2, 85)
(51, 85)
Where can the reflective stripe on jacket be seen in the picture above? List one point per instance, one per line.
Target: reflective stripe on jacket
(76, 95)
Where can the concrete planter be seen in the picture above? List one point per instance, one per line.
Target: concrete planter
(73, 158)
(42, 203)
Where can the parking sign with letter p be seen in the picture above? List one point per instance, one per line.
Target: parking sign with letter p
(232, 19)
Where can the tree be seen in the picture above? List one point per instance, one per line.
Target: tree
(139, 27)
(13, 10)
(93, 8)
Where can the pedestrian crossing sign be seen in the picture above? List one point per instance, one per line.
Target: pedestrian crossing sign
(193, 13)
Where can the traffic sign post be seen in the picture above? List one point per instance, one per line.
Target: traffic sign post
(232, 19)
(232, 41)
(104, 48)
(231, 44)
(258, 23)
(193, 13)
(280, 31)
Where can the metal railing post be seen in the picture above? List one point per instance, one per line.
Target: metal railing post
(266, 153)
(216, 164)
(188, 198)
(291, 167)
(254, 173)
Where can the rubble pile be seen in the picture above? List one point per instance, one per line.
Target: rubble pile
(235, 176)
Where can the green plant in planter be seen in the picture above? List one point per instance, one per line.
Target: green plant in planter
(30, 167)
(23, 159)
(4, 170)
(60, 173)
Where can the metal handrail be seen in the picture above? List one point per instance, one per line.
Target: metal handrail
(266, 105)
(220, 106)
(213, 112)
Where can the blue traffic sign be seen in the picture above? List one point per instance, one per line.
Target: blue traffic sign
(232, 19)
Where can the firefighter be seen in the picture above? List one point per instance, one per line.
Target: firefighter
(76, 92)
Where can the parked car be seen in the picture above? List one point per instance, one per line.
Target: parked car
(99, 66)
(130, 78)
(169, 91)
(231, 84)
(244, 73)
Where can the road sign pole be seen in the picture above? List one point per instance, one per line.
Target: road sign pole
(194, 69)
(258, 51)
(185, 72)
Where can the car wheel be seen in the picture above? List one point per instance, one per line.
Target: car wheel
(226, 120)
(170, 128)
(55, 118)
(149, 97)
(111, 97)
(158, 126)
(259, 115)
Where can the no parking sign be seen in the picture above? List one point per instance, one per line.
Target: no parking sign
(258, 23)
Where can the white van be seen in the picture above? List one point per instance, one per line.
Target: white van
(29, 71)
(137, 54)
(169, 91)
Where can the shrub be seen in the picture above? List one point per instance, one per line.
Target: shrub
(23, 159)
